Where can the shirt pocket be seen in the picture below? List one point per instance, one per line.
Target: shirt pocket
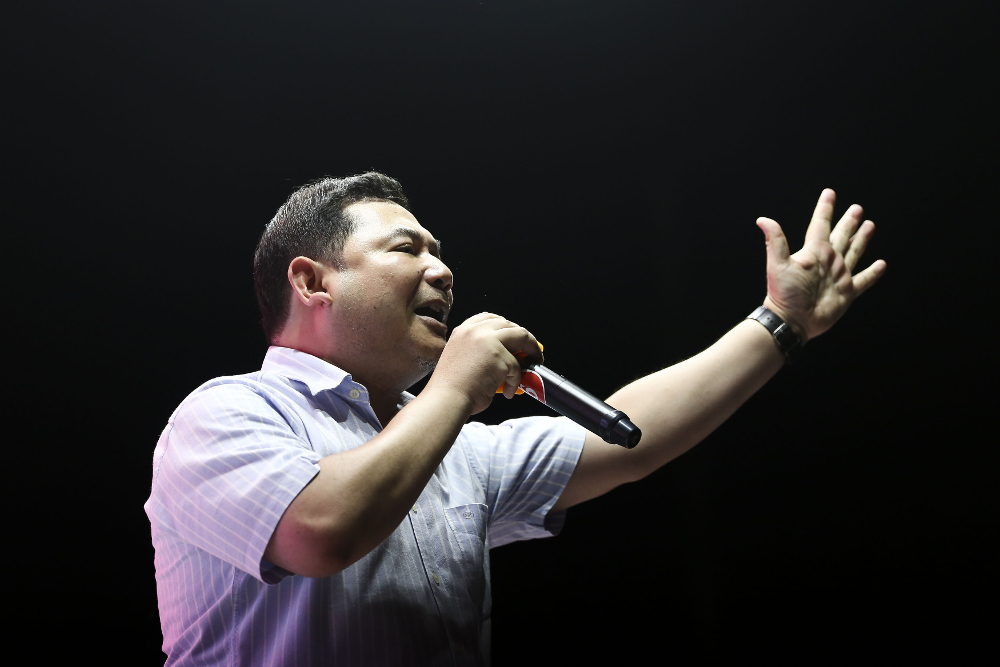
(468, 529)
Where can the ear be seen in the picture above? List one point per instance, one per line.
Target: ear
(306, 277)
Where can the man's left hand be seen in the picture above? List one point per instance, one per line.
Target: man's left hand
(811, 289)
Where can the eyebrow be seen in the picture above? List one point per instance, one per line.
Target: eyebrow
(413, 234)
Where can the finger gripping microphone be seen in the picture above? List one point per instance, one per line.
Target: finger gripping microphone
(570, 401)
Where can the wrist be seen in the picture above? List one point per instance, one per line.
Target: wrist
(792, 323)
(784, 336)
(449, 399)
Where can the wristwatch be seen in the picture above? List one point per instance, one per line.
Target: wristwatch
(788, 341)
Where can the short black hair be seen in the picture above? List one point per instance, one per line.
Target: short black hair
(312, 223)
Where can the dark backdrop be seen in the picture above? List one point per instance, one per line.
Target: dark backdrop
(595, 170)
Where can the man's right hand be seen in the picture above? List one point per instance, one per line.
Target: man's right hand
(360, 495)
(479, 357)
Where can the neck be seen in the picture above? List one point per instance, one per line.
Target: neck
(385, 406)
(384, 389)
(382, 374)
(382, 395)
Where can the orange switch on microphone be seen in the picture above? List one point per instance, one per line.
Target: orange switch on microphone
(521, 356)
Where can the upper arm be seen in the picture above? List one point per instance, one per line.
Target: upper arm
(602, 467)
(231, 466)
(302, 541)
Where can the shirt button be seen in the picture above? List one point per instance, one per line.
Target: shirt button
(355, 393)
(414, 509)
(435, 578)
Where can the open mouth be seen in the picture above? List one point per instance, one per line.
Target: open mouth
(434, 311)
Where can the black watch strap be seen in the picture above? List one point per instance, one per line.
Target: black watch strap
(788, 341)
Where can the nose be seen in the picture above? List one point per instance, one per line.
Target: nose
(439, 275)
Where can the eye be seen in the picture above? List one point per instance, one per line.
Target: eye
(407, 248)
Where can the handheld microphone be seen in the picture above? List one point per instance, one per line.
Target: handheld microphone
(570, 401)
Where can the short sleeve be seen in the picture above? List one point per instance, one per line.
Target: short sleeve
(525, 465)
(227, 466)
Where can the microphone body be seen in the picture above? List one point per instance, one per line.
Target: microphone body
(570, 401)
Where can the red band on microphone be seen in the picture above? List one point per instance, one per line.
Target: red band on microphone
(533, 385)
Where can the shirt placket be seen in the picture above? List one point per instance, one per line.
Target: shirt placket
(434, 561)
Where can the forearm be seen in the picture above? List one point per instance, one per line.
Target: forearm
(360, 496)
(679, 406)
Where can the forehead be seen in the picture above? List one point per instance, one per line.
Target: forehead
(375, 220)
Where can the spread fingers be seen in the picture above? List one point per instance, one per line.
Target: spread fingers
(841, 237)
(819, 227)
(858, 243)
(867, 278)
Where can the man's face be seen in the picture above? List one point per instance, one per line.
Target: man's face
(392, 294)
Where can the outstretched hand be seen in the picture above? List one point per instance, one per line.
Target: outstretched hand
(811, 289)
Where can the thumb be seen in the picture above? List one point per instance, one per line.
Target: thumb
(777, 244)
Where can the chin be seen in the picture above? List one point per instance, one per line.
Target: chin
(426, 365)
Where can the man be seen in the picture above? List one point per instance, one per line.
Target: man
(314, 513)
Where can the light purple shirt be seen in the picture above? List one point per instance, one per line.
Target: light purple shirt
(238, 450)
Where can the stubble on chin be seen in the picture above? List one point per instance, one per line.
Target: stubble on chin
(426, 365)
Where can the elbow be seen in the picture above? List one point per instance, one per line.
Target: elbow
(636, 464)
(310, 548)
(326, 558)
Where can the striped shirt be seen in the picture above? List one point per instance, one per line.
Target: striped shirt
(238, 450)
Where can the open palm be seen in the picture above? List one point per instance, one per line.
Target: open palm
(811, 289)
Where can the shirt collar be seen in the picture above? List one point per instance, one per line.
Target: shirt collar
(316, 374)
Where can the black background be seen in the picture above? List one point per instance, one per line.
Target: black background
(594, 170)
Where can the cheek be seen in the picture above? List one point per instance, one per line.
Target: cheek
(379, 304)
(385, 294)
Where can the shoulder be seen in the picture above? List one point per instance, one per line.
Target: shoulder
(240, 418)
(237, 406)
(234, 392)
